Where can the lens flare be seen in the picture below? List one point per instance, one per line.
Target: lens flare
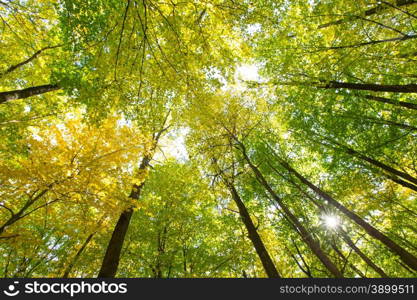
(331, 222)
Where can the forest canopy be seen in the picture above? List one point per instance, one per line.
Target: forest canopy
(208, 138)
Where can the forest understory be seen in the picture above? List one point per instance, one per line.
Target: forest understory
(208, 138)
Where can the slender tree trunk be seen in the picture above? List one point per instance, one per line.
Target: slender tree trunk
(405, 256)
(344, 235)
(392, 102)
(346, 261)
(374, 42)
(402, 182)
(68, 269)
(305, 235)
(377, 121)
(362, 255)
(395, 88)
(28, 92)
(379, 164)
(256, 240)
(369, 12)
(112, 257)
(306, 269)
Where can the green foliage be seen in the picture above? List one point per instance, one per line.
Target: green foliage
(150, 112)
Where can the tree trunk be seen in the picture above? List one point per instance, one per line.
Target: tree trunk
(368, 12)
(256, 240)
(392, 102)
(407, 257)
(374, 42)
(362, 255)
(344, 235)
(28, 92)
(379, 164)
(112, 257)
(394, 88)
(68, 269)
(305, 235)
(346, 261)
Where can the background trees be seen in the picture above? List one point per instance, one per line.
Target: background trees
(134, 145)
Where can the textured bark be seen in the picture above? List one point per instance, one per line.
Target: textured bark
(112, 257)
(405, 256)
(256, 240)
(28, 92)
(114, 248)
(305, 235)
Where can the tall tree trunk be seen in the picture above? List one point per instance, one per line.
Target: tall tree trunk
(256, 240)
(362, 255)
(395, 88)
(112, 257)
(402, 182)
(392, 102)
(379, 164)
(28, 92)
(344, 235)
(407, 257)
(368, 12)
(305, 235)
(68, 269)
(377, 121)
(346, 261)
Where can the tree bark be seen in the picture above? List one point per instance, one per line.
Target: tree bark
(392, 102)
(368, 12)
(68, 269)
(379, 164)
(344, 235)
(112, 257)
(305, 235)
(405, 256)
(394, 88)
(28, 92)
(362, 255)
(256, 240)
(375, 42)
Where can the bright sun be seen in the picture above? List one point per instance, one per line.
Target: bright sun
(248, 72)
(331, 221)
